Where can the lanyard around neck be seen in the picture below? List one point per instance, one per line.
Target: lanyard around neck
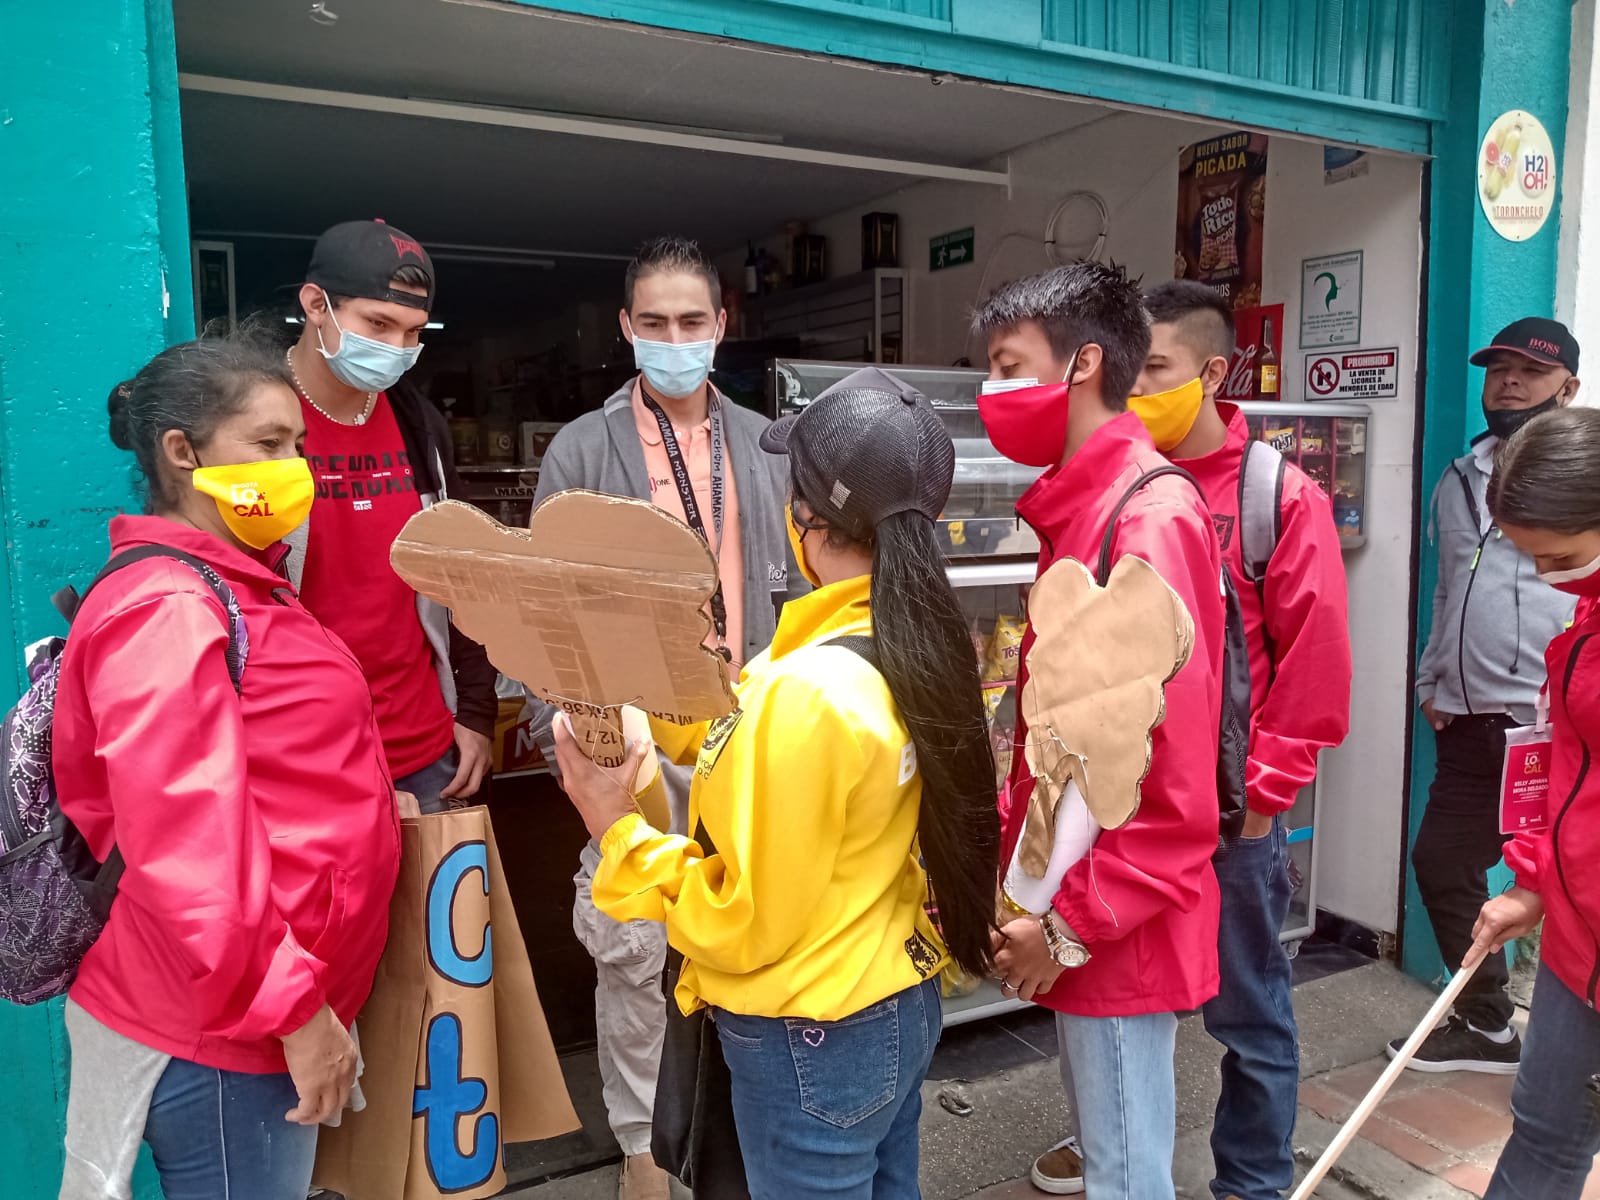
(691, 503)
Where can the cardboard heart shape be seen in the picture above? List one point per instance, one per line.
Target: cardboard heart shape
(599, 603)
(1096, 674)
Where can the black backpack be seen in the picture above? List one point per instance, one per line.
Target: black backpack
(1233, 735)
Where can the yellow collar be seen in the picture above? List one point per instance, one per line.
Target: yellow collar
(828, 612)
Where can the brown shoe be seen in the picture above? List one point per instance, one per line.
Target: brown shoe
(642, 1180)
(1059, 1170)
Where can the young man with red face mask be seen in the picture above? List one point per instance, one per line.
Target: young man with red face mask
(380, 453)
(1298, 635)
(1131, 939)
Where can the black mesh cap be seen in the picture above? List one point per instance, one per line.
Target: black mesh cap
(868, 447)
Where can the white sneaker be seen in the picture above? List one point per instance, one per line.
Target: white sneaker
(1059, 1170)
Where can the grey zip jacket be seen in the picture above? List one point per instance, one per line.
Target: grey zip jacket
(1492, 615)
(600, 451)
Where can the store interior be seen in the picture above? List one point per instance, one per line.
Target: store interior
(532, 152)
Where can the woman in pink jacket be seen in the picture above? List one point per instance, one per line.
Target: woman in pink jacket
(1545, 496)
(255, 814)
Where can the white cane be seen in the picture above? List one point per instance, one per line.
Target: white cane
(1373, 1098)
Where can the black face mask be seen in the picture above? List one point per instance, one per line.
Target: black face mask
(1503, 422)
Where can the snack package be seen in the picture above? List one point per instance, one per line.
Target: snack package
(1219, 229)
(980, 644)
(992, 695)
(1005, 649)
(1282, 435)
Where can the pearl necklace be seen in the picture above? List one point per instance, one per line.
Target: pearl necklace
(361, 417)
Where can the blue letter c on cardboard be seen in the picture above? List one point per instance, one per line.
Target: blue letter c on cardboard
(443, 953)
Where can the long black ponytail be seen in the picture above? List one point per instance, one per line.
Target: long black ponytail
(925, 653)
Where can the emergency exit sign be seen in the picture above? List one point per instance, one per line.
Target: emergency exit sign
(950, 249)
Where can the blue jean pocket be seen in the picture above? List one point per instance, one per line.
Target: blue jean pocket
(847, 1069)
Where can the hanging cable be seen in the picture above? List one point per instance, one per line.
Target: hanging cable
(1052, 242)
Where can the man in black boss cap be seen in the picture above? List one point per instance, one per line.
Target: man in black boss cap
(380, 452)
(1479, 676)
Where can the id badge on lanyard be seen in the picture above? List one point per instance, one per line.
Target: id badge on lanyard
(691, 506)
(1525, 776)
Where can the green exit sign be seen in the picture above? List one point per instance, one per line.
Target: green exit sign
(950, 249)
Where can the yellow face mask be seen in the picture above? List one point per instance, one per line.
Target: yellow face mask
(260, 502)
(1170, 415)
(797, 544)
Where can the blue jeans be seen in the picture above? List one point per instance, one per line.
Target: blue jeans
(830, 1108)
(220, 1135)
(1253, 1016)
(428, 784)
(1119, 1076)
(1555, 1132)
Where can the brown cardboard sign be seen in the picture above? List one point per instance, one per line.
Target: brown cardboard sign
(599, 603)
(459, 1059)
(1096, 675)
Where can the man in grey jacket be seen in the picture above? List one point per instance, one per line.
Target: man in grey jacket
(669, 437)
(1480, 675)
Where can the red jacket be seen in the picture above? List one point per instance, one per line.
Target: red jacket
(259, 830)
(1297, 624)
(1145, 899)
(1559, 861)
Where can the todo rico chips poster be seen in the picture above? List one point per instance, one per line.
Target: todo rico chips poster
(1222, 201)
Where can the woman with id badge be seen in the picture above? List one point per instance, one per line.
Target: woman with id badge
(1545, 495)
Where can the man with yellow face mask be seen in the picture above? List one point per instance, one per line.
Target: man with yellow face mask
(1292, 599)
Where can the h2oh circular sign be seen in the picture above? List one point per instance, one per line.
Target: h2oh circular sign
(1517, 175)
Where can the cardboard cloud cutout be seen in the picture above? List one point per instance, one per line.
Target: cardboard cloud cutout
(1097, 671)
(599, 603)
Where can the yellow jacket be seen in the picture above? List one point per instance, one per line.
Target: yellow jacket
(814, 904)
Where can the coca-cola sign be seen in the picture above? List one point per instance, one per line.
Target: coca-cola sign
(1248, 326)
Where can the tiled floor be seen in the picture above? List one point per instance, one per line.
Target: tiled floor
(1450, 1125)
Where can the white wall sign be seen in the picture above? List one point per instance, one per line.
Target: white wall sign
(1330, 300)
(1517, 175)
(1354, 375)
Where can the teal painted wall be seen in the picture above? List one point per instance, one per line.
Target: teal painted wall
(1505, 57)
(92, 217)
(1367, 71)
(94, 261)
(1375, 50)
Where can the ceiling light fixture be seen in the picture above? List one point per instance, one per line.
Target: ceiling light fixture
(321, 14)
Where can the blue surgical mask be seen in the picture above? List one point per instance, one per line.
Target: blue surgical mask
(365, 363)
(674, 369)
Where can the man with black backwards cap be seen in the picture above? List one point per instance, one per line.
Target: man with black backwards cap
(380, 453)
(1479, 676)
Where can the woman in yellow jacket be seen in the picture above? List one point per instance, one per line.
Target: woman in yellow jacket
(853, 785)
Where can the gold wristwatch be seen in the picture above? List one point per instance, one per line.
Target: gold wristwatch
(1067, 952)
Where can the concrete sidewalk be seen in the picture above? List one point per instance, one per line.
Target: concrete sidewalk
(1435, 1137)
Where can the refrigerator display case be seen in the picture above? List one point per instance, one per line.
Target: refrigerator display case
(993, 557)
(1329, 443)
(980, 521)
